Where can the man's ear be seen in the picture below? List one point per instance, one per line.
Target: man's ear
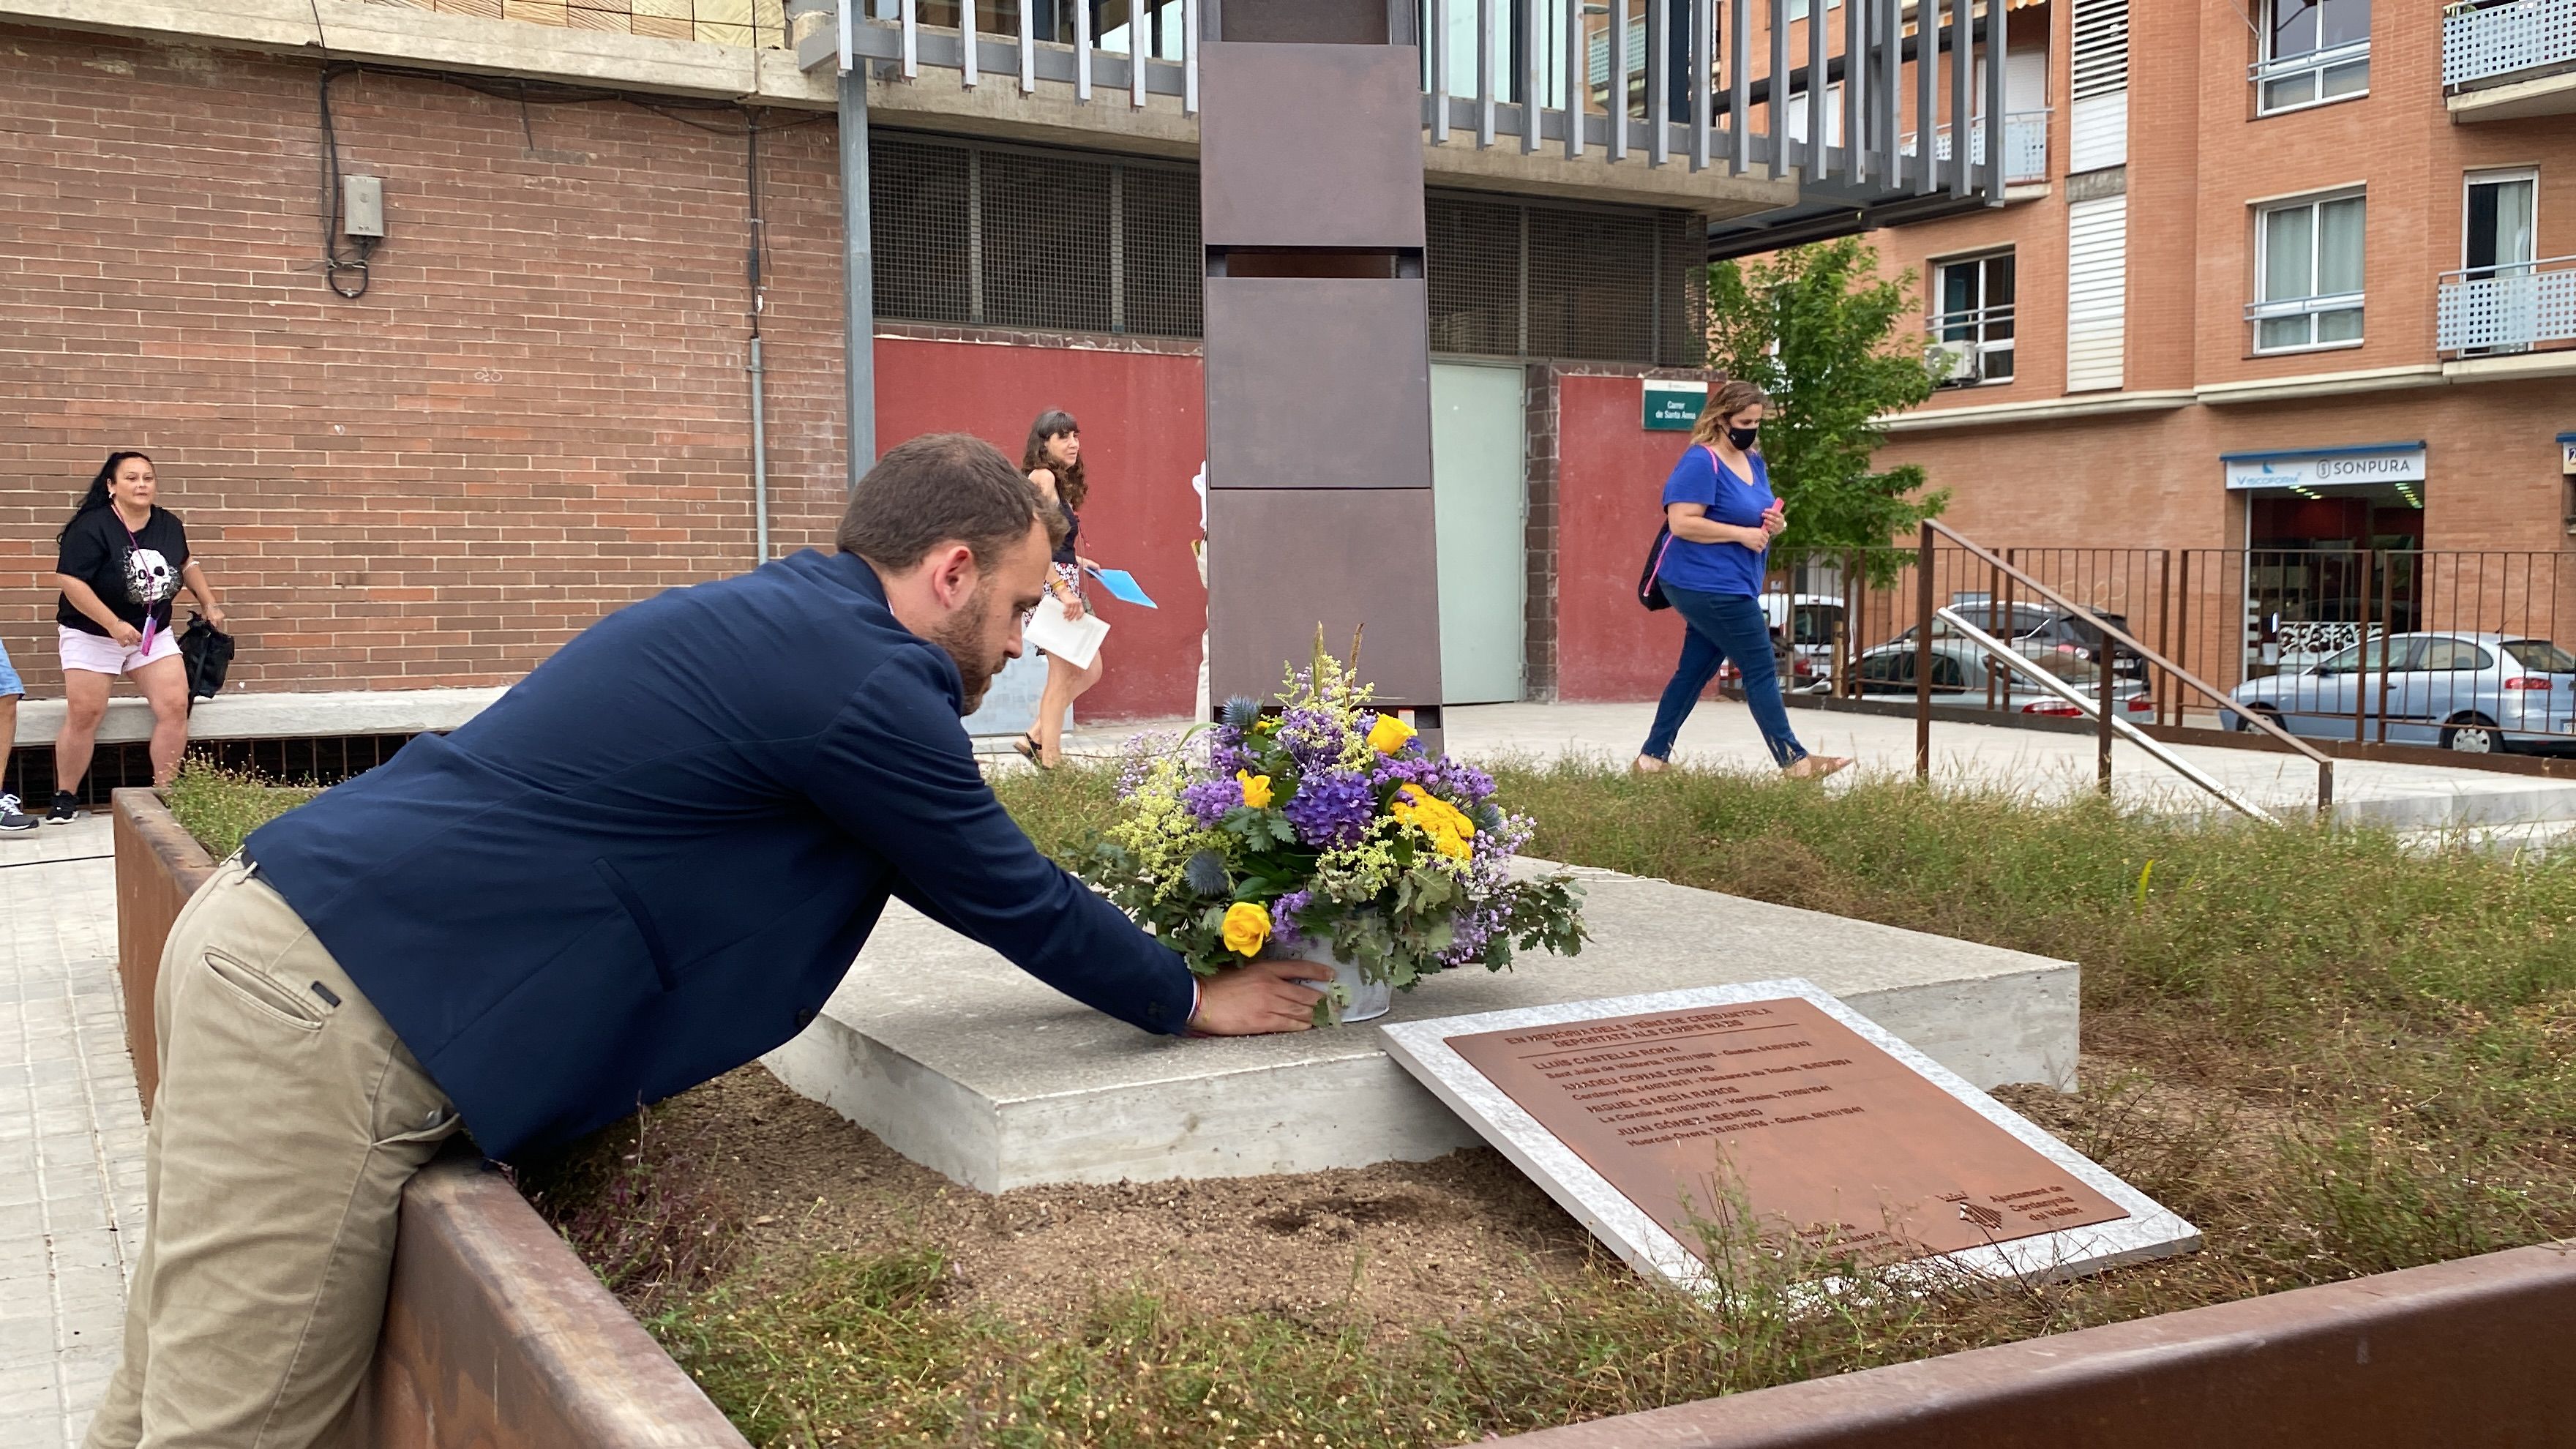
(953, 574)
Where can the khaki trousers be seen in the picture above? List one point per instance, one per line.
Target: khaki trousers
(287, 1121)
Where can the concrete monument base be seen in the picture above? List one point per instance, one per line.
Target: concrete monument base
(959, 1061)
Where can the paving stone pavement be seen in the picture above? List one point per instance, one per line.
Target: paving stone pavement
(71, 1134)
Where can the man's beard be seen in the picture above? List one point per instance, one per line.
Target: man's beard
(962, 635)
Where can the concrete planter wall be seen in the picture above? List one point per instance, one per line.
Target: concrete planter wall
(496, 1335)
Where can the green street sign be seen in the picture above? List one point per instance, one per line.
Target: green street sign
(1671, 407)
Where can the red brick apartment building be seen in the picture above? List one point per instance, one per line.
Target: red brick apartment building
(2272, 275)
(533, 404)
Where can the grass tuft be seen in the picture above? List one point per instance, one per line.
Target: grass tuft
(221, 807)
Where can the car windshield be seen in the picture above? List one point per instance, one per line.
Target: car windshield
(2540, 656)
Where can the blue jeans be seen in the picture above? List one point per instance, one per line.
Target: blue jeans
(1723, 627)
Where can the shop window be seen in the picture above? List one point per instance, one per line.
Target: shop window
(2307, 275)
(2314, 51)
(1972, 326)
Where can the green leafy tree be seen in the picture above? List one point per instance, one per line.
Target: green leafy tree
(1832, 342)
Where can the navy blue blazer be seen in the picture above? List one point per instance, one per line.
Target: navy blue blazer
(654, 858)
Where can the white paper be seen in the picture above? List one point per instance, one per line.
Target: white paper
(1075, 641)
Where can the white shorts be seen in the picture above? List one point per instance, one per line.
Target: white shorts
(101, 655)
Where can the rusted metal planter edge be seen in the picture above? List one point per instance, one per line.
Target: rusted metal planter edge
(496, 1334)
(2476, 1351)
(158, 866)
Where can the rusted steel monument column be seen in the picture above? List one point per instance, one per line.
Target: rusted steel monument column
(1318, 367)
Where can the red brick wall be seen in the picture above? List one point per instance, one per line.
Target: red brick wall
(536, 414)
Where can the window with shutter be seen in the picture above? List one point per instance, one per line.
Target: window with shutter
(2099, 86)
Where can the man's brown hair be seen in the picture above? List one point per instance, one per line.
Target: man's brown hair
(938, 488)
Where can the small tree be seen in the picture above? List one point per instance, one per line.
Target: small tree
(1824, 334)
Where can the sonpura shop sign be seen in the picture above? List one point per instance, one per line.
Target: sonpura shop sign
(2326, 467)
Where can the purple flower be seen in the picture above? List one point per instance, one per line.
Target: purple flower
(1461, 785)
(1331, 807)
(1313, 738)
(1284, 930)
(1209, 800)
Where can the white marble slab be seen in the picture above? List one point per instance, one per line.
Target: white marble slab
(1422, 1047)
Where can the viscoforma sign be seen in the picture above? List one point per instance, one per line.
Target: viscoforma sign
(2326, 467)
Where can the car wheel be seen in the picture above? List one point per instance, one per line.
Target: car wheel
(2245, 718)
(2473, 734)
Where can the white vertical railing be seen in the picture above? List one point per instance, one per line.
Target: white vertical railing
(1725, 82)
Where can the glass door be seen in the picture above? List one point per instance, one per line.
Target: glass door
(2496, 253)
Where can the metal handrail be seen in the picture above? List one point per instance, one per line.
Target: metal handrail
(2023, 664)
(2173, 671)
(2499, 271)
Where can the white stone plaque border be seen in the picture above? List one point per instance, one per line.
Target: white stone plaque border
(2149, 1231)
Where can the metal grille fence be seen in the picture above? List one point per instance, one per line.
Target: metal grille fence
(1058, 241)
(2464, 651)
(1066, 241)
(1525, 279)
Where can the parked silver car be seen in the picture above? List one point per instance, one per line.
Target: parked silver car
(1963, 674)
(2471, 692)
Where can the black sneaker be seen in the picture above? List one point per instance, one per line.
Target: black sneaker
(66, 809)
(10, 819)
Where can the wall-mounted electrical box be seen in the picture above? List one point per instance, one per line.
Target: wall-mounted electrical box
(362, 205)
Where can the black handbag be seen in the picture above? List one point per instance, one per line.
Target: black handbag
(1650, 588)
(209, 653)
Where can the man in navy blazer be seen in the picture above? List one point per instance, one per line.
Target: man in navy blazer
(649, 862)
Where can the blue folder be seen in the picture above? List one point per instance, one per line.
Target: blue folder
(1122, 587)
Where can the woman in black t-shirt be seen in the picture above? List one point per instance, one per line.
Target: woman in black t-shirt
(123, 560)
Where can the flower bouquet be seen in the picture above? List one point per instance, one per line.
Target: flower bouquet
(1323, 832)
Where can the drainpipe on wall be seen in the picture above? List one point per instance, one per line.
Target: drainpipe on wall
(759, 303)
(858, 260)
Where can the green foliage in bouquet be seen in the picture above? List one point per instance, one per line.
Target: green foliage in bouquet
(1324, 825)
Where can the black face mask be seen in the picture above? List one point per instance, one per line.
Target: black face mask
(1743, 438)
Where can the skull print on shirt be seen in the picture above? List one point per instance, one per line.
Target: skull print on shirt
(149, 579)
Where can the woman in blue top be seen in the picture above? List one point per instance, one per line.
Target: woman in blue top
(1723, 515)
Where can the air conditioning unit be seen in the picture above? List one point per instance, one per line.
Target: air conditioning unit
(1952, 365)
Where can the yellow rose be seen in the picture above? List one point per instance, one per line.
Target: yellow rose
(1247, 928)
(1389, 734)
(1256, 789)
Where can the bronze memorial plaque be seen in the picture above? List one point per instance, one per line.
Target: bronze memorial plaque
(1823, 1132)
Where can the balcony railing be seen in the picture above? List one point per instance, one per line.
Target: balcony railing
(2485, 41)
(2294, 82)
(2290, 324)
(1503, 75)
(2509, 308)
(1971, 346)
(2025, 146)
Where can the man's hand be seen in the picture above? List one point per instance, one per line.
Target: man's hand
(1259, 996)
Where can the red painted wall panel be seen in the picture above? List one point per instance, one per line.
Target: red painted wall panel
(1610, 482)
(1143, 435)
